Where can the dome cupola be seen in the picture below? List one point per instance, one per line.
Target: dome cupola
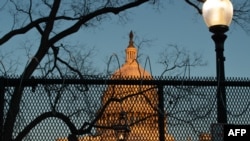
(131, 51)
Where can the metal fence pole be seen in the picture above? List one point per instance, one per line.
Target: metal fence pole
(161, 123)
(2, 87)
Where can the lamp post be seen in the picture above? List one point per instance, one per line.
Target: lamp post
(122, 128)
(218, 15)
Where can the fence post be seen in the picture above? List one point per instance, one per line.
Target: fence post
(161, 115)
(2, 87)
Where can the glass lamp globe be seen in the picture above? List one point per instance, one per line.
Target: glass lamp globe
(217, 12)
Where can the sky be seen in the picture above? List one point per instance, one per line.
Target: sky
(175, 23)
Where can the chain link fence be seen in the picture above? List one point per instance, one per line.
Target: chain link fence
(101, 109)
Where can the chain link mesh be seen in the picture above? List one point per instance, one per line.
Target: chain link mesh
(91, 109)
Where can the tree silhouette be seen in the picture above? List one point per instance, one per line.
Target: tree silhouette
(53, 21)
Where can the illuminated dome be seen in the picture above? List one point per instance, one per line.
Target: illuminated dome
(139, 102)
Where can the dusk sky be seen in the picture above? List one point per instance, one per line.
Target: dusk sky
(175, 23)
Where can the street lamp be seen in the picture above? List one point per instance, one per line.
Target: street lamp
(218, 15)
(122, 128)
